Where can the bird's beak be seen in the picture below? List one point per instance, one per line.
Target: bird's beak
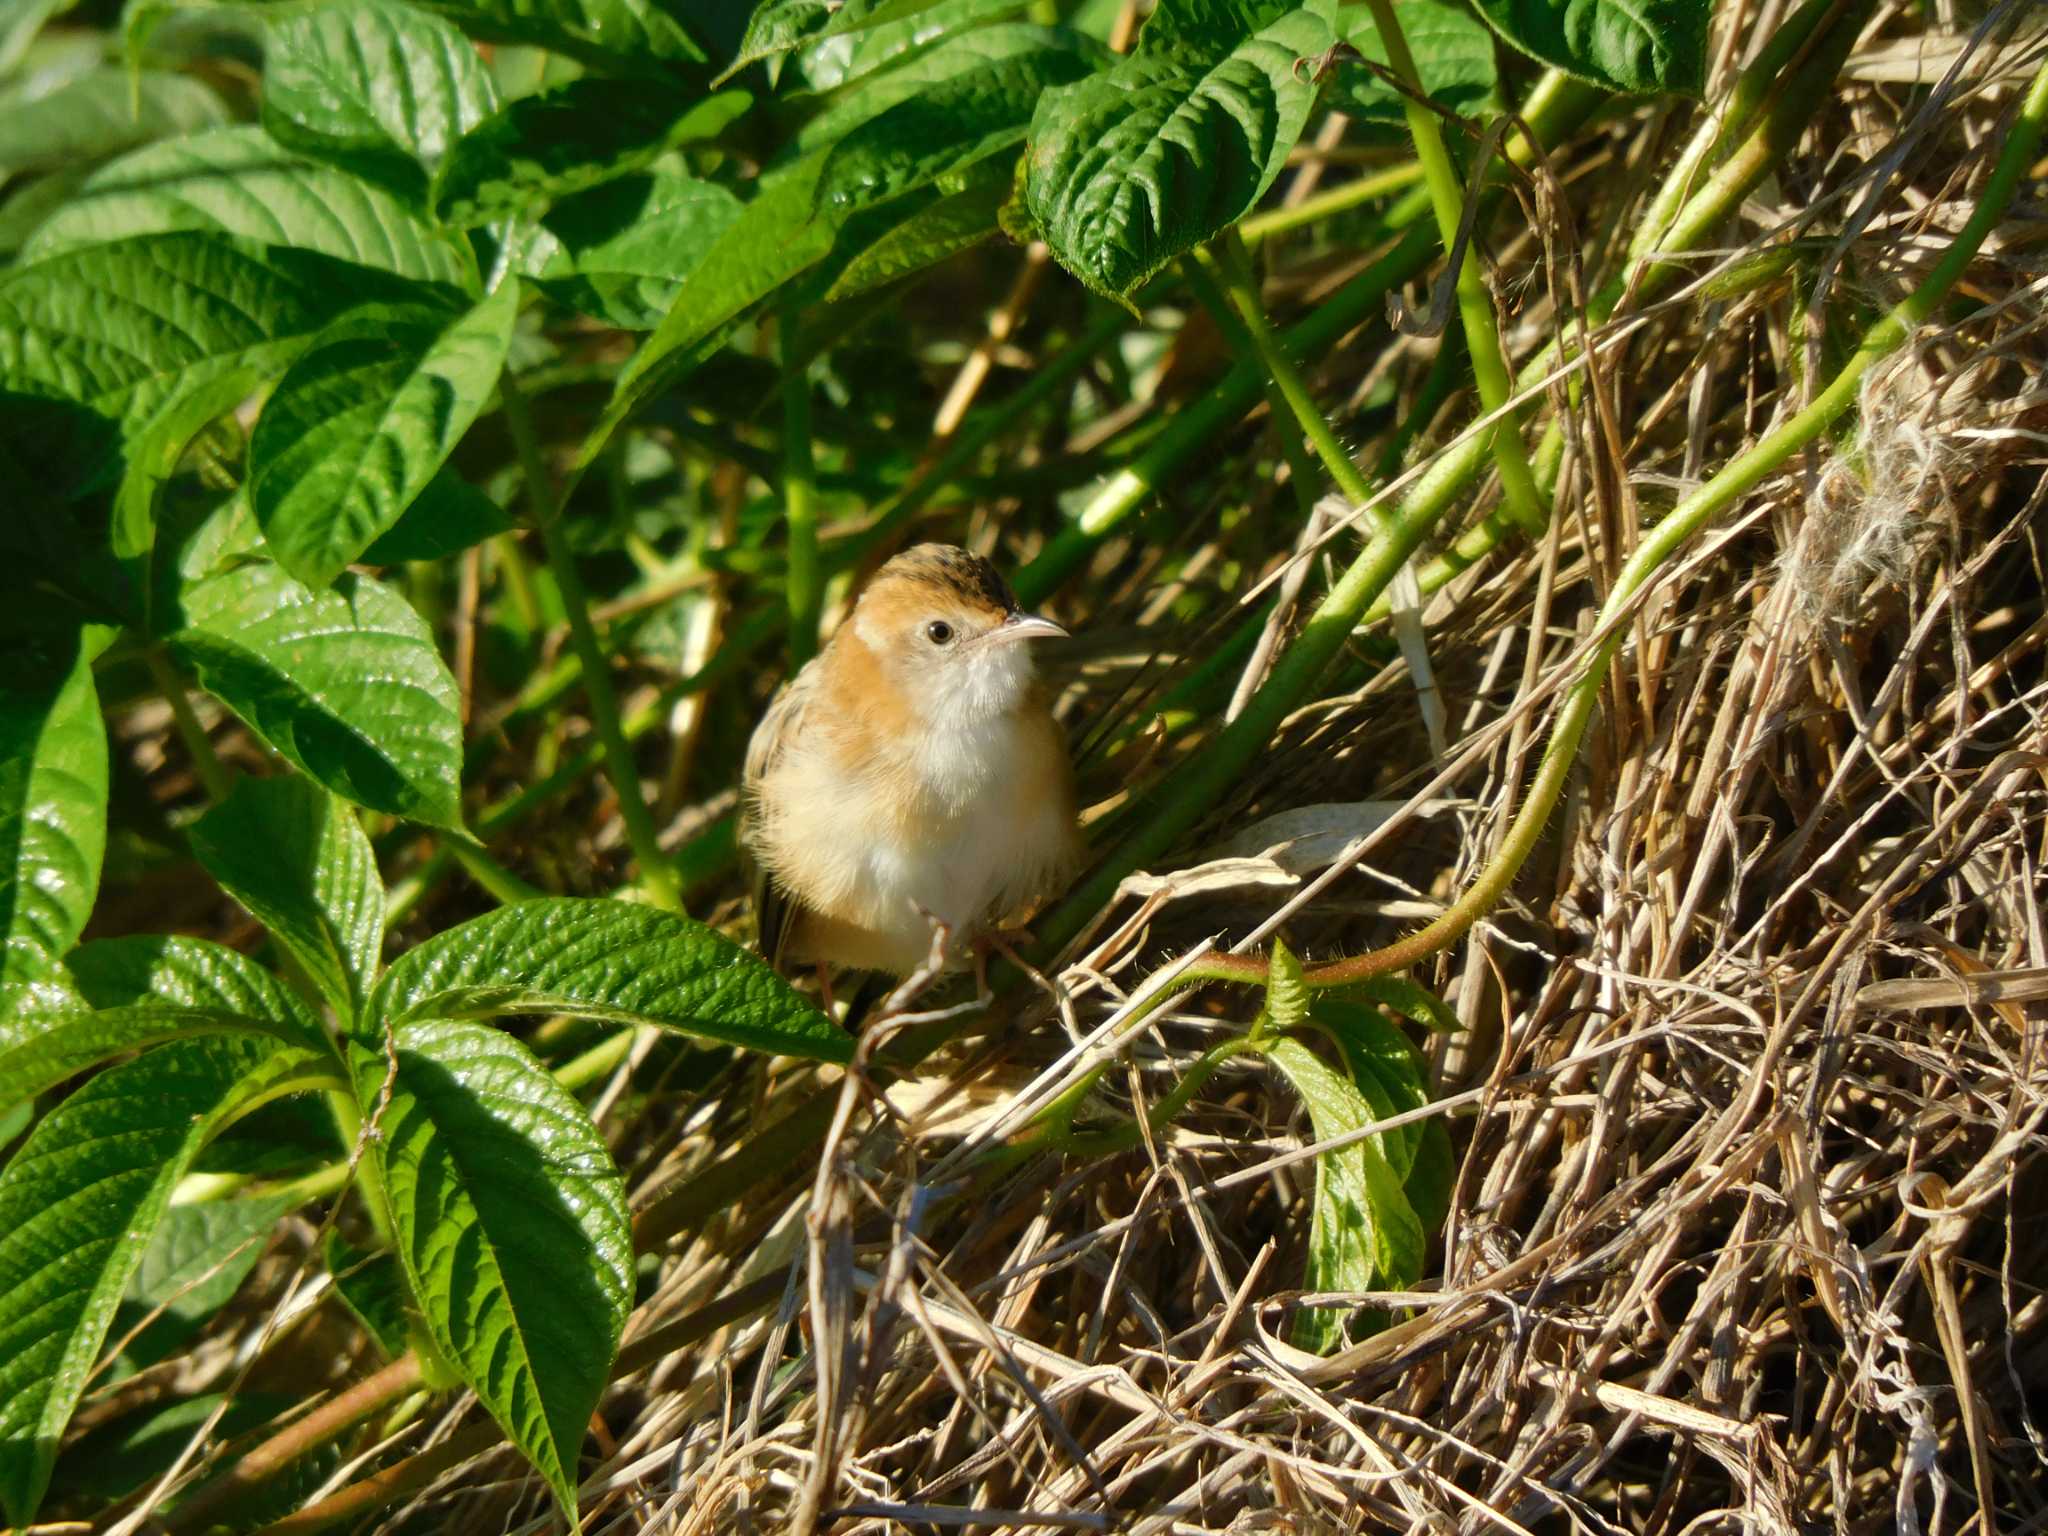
(1024, 626)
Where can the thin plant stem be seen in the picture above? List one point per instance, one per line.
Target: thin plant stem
(213, 775)
(805, 588)
(657, 877)
(1490, 369)
(1260, 227)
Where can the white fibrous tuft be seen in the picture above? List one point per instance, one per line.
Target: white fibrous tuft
(1872, 506)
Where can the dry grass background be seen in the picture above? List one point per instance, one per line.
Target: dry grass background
(1749, 1229)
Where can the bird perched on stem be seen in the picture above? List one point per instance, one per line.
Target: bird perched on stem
(909, 789)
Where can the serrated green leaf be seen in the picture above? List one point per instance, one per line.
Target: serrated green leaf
(446, 518)
(101, 113)
(568, 140)
(296, 857)
(1625, 45)
(53, 815)
(378, 88)
(192, 1268)
(241, 182)
(79, 1203)
(607, 960)
(362, 421)
(1133, 167)
(1363, 1233)
(953, 123)
(780, 25)
(129, 993)
(1386, 1069)
(624, 250)
(954, 223)
(837, 58)
(96, 343)
(1286, 990)
(622, 34)
(948, 60)
(511, 1226)
(1453, 54)
(346, 683)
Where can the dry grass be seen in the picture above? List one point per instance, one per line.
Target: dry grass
(1748, 1228)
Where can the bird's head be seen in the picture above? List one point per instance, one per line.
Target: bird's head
(947, 631)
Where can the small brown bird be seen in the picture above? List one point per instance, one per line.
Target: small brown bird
(911, 780)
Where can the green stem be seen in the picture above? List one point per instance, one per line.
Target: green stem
(494, 877)
(1312, 210)
(656, 876)
(1475, 305)
(205, 762)
(805, 587)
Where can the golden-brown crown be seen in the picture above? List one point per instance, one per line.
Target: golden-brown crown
(944, 573)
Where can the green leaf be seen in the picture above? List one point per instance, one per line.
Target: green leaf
(378, 88)
(511, 1225)
(140, 991)
(372, 1287)
(780, 25)
(1386, 1069)
(362, 422)
(96, 343)
(954, 223)
(99, 114)
(1454, 55)
(1286, 990)
(607, 960)
(20, 21)
(1643, 45)
(238, 181)
(155, 455)
(955, 122)
(446, 518)
(53, 815)
(1129, 169)
(298, 860)
(1363, 1234)
(776, 238)
(840, 55)
(577, 136)
(192, 1268)
(1407, 997)
(346, 683)
(624, 250)
(622, 34)
(1429, 1182)
(79, 1203)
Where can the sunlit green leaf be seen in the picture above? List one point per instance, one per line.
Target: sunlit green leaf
(957, 221)
(53, 815)
(1386, 1069)
(622, 251)
(346, 683)
(363, 420)
(296, 857)
(101, 113)
(1625, 45)
(79, 1203)
(623, 34)
(1453, 52)
(511, 1226)
(1130, 168)
(608, 960)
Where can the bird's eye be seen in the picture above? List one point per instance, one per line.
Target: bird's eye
(939, 632)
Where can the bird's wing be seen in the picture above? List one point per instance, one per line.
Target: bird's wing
(773, 912)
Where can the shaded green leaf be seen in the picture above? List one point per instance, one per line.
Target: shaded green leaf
(372, 1287)
(79, 1203)
(363, 420)
(346, 683)
(1435, 1172)
(577, 136)
(622, 34)
(155, 454)
(240, 182)
(608, 960)
(1386, 1069)
(446, 518)
(117, 1457)
(1363, 1233)
(101, 113)
(1407, 997)
(96, 343)
(1453, 52)
(53, 815)
(1625, 45)
(623, 250)
(511, 1226)
(192, 1268)
(955, 122)
(378, 88)
(953, 224)
(20, 21)
(296, 857)
(1133, 167)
